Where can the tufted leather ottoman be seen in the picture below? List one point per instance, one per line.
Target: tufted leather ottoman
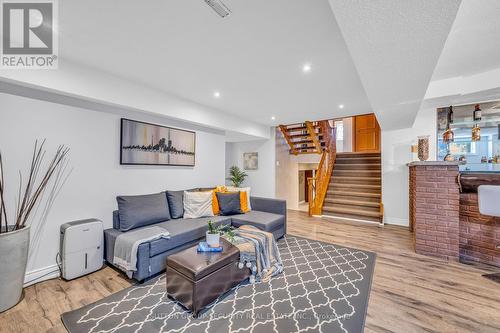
(196, 279)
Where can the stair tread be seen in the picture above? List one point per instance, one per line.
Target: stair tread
(356, 177)
(369, 186)
(353, 194)
(352, 202)
(353, 211)
(358, 158)
(356, 171)
(356, 165)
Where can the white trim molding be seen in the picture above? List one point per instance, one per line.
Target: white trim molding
(41, 274)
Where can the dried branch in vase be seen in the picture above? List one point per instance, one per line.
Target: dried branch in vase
(30, 194)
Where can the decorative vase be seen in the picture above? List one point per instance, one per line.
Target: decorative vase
(213, 240)
(14, 249)
(423, 148)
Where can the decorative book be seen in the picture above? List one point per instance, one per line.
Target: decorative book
(203, 247)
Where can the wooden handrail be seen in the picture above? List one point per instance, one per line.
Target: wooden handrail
(314, 136)
(318, 185)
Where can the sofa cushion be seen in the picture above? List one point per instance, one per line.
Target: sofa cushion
(176, 204)
(183, 231)
(141, 210)
(262, 220)
(229, 203)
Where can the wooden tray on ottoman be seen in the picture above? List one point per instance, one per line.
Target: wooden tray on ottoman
(195, 279)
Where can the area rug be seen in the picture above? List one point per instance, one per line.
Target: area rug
(324, 288)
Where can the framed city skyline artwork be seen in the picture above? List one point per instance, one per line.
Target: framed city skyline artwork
(150, 144)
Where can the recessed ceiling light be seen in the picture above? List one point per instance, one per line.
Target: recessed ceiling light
(341, 106)
(216, 94)
(273, 118)
(306, 68)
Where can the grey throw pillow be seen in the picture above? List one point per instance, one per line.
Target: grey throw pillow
(229, 203)
(176, 203)
(140, 210)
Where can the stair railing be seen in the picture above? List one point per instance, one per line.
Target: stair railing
(318, 185)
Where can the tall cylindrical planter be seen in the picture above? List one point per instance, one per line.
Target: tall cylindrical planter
(13, 259)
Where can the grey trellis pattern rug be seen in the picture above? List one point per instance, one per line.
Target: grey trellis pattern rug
(324, 288)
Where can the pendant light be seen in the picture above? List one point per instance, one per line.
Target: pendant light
(476, 133)
(448, 135)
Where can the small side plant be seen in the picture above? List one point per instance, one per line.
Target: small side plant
(236, 176)
(226, 230)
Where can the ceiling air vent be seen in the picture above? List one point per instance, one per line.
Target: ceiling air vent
(219, 7)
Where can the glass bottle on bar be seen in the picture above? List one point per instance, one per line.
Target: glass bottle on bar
(450, 115)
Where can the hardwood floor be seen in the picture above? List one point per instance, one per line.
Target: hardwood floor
(410, 293)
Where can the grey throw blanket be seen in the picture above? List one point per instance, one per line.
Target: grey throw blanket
(259, 252)
(127, 243)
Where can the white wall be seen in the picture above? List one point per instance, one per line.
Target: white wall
(262, 181)
(97, 177)
(348, 133)
(396, 153)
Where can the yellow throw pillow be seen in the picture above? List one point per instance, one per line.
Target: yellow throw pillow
(244, 202)
(215, 202)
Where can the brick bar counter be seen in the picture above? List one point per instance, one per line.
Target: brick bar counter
(445, 222)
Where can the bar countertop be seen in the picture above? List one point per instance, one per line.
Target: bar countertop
(432, 163)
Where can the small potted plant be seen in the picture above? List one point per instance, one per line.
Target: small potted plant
(214, 233)
(237, 176)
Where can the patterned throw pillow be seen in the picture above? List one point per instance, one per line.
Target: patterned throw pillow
(198, 204)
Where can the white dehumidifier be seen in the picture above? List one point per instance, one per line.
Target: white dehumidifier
(81, 248)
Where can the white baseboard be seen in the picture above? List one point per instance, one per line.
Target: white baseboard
(41, 274)
(396, 221)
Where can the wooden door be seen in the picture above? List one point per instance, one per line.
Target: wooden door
(308, 174)
(366, 133)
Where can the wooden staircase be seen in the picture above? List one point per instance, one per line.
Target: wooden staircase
(305, 138)
(354, 190)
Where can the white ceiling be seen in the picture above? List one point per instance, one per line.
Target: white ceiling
(369, 55)
(474, 43)
(395, 46)
(253, 57)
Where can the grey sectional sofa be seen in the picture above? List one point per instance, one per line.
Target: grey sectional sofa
(266, 214)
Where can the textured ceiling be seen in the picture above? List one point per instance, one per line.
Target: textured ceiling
(395, 46)
(474, 43)
(254, 57)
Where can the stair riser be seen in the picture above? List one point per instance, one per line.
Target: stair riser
(370, 211)
(360, 173)
(334, 187)
(357, 161)
(360, 181)
(347, 193)
(356, 155)
(356, 217)
(369, 200)
(355, 167)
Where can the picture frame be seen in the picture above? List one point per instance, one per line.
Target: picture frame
(143, 143)
(251, 161)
